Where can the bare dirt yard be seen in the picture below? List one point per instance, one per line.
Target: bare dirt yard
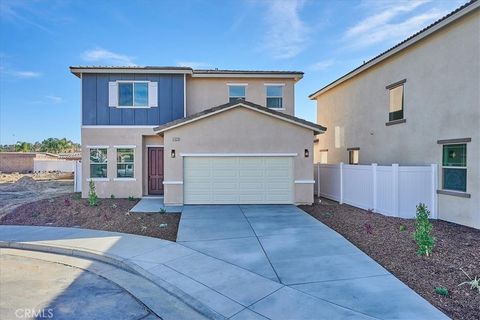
(390, 242)
(70, 210)
(17, 189)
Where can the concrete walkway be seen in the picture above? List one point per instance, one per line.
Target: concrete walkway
(154, 205)
(316, 266)
(256, 280)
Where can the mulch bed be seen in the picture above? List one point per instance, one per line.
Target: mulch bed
(110, 215)
(380, 237)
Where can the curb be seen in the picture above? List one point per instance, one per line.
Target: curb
(121, 263)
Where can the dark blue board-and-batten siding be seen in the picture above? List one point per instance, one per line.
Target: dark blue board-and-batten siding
(95, 109)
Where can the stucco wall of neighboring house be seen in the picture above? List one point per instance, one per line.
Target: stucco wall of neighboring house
(111, 137)
(205, 93)
(442, 101)
(22, 162)
(238, 130)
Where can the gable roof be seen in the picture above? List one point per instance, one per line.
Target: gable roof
(449, 18)
(240, 103)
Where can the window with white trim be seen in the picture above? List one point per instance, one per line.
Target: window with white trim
(454, 167)
(133, 94)
(274, 96)
(125, 162)
(236, 92)
(98, 162)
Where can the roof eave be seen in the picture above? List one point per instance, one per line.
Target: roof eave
(402, 46)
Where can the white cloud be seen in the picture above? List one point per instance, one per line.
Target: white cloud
(391, 23)
(54, 99)
(286, 34)
(194, 64)
(22, 74)
(322, 65)
(103, 56)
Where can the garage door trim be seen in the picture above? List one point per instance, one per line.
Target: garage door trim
(238, 154)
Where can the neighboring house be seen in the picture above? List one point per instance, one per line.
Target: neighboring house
(195, 136)
(22, 162)
(418, 103)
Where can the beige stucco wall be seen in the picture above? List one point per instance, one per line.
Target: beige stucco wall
(138, 137)
(205, 93)
(238, 130)
(442, 101)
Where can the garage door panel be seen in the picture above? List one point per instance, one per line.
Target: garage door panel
(230, 180)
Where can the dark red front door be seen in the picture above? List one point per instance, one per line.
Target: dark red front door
(155, 170)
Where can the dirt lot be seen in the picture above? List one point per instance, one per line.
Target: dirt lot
(381, 238)
(110, 215)
(17, 189)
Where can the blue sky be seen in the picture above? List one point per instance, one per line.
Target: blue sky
(39, 98)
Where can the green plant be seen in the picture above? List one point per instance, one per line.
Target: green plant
(163, 210)
(112, 196)
(92, 195)
(163, 225)
(423, 229)
(474, 283)
(131, 198)
(77, 196)
(441, 291)
(114, 206)
(402, 228)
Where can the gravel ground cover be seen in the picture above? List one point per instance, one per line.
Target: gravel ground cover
(110, 215)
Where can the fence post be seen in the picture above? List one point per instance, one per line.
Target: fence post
(318, 180)
(434, 206)
(395, 189)
(341, 183)
(374, 177)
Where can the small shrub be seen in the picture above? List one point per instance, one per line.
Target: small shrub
(112, 196)
(327, 214)
(441, 291)
(423, 228)
(113, 206)
(368, 227)
(163, 225)
(92, 195)
(474, 283)
(77, 196)
(67, 202)
(131, 198)
(402, 228)
(163, 210)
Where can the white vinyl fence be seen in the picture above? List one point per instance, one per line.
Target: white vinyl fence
(391, 190)
(53, 165)
(77, 177)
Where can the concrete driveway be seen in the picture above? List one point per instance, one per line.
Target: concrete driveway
(322, 274)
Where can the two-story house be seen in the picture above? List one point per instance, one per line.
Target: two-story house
(195, 136)
(418, 103)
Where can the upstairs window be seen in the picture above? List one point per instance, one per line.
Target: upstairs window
(133, 94)
(454, 167)
(98, 163)
(396, 92)
(236, 92)
(274, 96)
(125, 163)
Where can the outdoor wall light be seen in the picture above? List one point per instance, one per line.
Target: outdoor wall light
(307, 154)
(172, 153)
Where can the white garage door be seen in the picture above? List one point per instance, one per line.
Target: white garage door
(224, 180)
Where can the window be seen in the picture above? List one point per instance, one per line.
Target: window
(125, 163)
(454, 167)
(236, 92)
(133, 94)
(274, 96)
(98, 163)
(396, 103)
(353, 156)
